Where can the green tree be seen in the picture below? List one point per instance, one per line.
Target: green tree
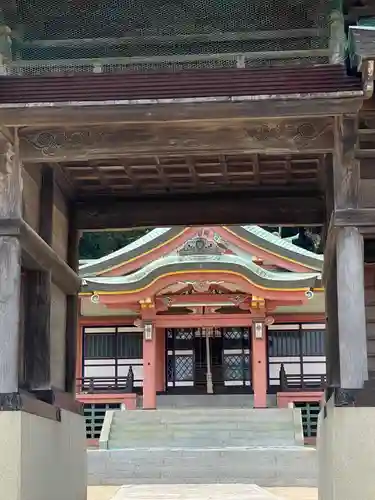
(99, 244)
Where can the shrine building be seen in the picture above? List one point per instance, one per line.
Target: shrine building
(209, 310)
(174, 114)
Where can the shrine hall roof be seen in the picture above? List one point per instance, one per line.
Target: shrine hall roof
(251, 239)
(217, 84)
(175, 265)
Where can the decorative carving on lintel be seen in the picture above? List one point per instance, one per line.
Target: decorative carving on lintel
(200, 286)
(200, 246)
(68, 144)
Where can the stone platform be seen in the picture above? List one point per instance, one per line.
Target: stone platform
(194, 492)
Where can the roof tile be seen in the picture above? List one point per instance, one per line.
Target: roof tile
(186, 84)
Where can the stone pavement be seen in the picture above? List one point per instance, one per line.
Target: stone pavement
(193, 492)
(209, 492)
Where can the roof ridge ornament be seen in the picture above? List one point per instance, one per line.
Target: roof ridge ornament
(200, 245)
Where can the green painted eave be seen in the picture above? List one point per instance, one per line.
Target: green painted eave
(222, 263)
(259, 237)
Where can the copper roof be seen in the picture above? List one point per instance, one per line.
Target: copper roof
(186, 84)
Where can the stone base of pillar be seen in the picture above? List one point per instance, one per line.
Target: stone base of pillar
(42, 459)
(346, 453)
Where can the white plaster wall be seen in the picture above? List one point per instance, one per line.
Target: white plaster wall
(53, 458)
(346, 454)
(10, 455)
(42, 459)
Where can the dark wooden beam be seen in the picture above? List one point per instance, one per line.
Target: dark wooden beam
(40, 256)
(113, 141)
(46, 204)
(71, 310)
(332, 327)
(37, 341)
(39, 116)
(238, 208)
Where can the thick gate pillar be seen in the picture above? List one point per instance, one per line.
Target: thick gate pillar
(351, 308)
(10, 269)
(346, 433)
(42, 428)
(259, 363)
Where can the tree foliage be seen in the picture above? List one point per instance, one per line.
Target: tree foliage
(96, 245)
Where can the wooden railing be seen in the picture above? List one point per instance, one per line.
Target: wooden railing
(94, 385)
(304, 382)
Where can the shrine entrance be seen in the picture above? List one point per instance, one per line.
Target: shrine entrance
(208, 360)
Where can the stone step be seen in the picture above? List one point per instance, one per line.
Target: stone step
(223, 436)
(209, 414)
(121, 444)
(205, 428)
(272, 466)
(199, 424)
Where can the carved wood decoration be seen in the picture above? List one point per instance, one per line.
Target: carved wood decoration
(103, 142)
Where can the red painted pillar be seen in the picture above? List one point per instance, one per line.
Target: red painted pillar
(160, 359)
(149, 371)
(259, 363)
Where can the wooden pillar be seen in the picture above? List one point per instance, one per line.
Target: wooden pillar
(259, 363)
(10, 264)
(72, 309)
(37, 339)
(351, 308)
(349, 258)
(149, 370)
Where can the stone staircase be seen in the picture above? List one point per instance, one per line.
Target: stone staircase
(203, 445)
(205, 427)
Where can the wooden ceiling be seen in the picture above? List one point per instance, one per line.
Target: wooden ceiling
(193, 173)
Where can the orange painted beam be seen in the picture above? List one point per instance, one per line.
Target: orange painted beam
(206, 299)
(244, 284)
(106, 321)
